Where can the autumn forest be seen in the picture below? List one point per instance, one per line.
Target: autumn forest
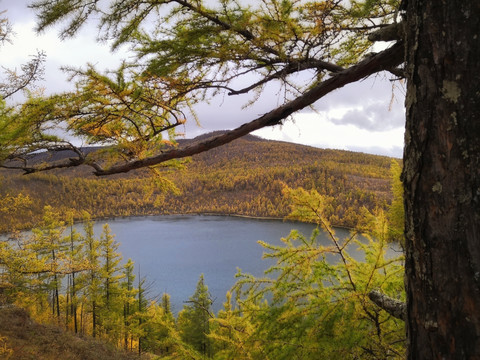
(78, 280)
(245, 177)
(110, 145)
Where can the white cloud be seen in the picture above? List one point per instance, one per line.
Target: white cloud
(360, 116)
(316, 130)
(75, 52)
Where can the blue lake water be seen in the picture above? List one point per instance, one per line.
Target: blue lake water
(172, 251)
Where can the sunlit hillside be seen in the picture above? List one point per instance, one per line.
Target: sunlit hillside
(245, 177)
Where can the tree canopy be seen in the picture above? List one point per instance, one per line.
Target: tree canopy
(187, 52)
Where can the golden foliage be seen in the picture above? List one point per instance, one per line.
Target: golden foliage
(243, 178)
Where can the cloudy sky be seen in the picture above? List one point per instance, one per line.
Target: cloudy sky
(367, 116)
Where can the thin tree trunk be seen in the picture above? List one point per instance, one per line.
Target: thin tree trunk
(53, 303)
(67, 305)
(140, 322)
(73, 296)
(74, 304)
(55, 292)
(442, 179)
(125, 335)
(94, 319)
(57, 300)
(81, 320)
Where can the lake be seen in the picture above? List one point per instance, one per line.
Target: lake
(172, 251)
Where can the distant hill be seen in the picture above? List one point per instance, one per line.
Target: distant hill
(244, 177)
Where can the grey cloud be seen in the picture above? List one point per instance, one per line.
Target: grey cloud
(16, 10)
(377, 87)
(373, 94)
(371, 98)
(228, 112)
(377, 116)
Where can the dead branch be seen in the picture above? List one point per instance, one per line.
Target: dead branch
(394, 307)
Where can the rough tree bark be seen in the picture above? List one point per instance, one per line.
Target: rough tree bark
(442, 179)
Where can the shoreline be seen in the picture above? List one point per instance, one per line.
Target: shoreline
(248, 217)
(241, 216)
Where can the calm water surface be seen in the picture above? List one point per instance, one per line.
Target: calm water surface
(172, 251)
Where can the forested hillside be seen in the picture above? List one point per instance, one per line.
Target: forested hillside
(306, 306)
(245, 177)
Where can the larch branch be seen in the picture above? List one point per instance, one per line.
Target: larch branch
(385, 60)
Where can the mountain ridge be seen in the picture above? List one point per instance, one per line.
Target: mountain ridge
(245, 177)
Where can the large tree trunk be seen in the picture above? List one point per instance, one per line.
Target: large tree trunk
(442, 179)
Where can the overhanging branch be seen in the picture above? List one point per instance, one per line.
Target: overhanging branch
(385, 60)
(394, 307)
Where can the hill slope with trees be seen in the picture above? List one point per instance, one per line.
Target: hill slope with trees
(245, 177)
(23, 338)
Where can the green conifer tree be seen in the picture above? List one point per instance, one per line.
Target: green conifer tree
(50, 246)
(160, 324)
(194, 319)
(314, 302)
(110, 278)
(129, 293)
(91, 279)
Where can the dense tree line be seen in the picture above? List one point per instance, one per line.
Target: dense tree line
(305, 305)
(245, 177)
(313, 303)
(79, 281)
